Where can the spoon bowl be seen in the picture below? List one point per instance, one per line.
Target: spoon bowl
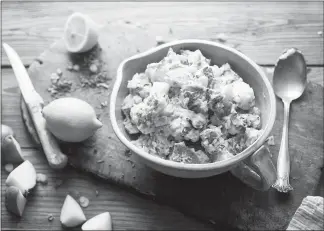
(289, 79)
(289, 82)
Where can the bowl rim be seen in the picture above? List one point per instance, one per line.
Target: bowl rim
(196, 167)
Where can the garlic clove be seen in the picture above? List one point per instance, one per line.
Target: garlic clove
(15, 201)
(23, 177)
(71, 213)
(99, 222)
(10, 148)
(5, 131)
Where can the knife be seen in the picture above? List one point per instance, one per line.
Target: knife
(34, 101)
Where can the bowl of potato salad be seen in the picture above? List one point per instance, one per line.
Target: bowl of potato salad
(192, 108)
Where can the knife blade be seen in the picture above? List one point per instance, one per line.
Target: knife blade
(34, 102)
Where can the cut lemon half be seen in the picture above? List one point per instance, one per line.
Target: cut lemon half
(80, 33)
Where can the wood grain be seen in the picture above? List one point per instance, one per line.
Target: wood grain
(262, 30)
(11, 114)
(128, 211)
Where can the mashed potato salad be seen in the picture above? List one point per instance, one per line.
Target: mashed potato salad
(189, 111)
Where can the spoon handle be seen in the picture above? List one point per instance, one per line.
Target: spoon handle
(283, 162)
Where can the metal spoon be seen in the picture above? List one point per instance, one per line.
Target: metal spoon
(289, 82)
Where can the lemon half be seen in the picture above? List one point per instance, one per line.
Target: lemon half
(80, 33)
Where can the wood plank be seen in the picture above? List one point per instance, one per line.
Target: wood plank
(128, 211)
(262, 30)
(11, 114)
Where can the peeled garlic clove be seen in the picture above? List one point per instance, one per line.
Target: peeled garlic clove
(10, 148)
(11, 151)
(15, 201)
(71, 213)
(5, 131)
(23, 177)
(99, 222)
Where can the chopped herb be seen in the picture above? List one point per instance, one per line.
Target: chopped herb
(76, 67)
(41, 178)
(54, 78)
(58, 183)
(103, 85)
(9, 167)
(93, 68)
(50, 217)
(104, 104)
(221, 37)
(59, 72)
(271, 141)
(84, 202)
(138, 25)
(159, 40)
(58, 84)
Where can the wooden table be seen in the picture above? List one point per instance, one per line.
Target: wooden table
(260, 30)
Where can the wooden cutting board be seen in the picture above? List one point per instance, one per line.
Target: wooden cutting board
(222, 200)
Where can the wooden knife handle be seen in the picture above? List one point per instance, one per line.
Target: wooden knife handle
(55, 157)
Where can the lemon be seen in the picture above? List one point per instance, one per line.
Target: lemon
(80, 33)
(71, 119)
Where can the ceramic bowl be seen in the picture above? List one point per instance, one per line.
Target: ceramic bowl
(219, 54)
